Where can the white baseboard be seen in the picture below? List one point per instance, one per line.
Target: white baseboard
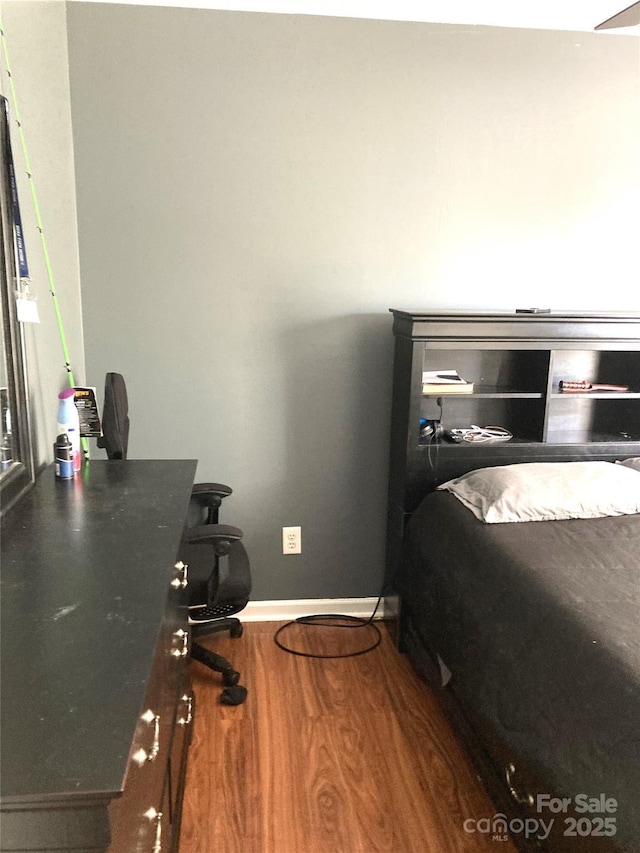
(284, 611)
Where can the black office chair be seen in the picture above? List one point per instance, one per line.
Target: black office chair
(219, 581)
(218, 566)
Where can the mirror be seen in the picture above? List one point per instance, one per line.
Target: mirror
(16, 468)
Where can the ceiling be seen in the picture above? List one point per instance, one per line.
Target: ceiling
(577, 15)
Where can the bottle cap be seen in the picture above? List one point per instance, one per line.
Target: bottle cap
(68, 392)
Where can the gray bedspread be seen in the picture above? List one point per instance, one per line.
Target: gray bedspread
(539, 624)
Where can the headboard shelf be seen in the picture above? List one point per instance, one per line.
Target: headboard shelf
(516, 363)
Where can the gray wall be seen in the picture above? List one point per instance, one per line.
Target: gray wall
(36, 40)
(255, 191)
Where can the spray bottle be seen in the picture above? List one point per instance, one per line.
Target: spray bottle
(69, 423)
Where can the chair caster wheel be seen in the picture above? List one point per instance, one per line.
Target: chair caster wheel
(233, 695)
(230, 677)
(236, 631)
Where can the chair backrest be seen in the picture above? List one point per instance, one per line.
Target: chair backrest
(115, 417)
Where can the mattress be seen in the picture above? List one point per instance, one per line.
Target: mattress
(538, 624)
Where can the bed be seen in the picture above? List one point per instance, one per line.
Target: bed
(526, 614)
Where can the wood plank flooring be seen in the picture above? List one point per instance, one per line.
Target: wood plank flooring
(349, 755)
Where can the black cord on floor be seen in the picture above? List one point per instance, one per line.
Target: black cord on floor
(326, 620)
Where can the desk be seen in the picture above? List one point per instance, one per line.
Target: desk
(94, 653)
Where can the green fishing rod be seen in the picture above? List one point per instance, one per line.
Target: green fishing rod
(43, 240)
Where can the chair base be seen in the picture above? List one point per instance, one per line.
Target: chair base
(215, 662)
(201, 627)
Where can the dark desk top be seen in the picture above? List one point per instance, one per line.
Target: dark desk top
(86, 567)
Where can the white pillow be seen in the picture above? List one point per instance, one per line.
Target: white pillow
(634, 463)
(542, 491)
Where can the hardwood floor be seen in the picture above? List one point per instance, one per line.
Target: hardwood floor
(326, 756)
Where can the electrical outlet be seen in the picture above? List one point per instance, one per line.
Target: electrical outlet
(291, 540)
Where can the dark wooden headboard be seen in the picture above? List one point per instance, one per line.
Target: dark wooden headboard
(516, 363)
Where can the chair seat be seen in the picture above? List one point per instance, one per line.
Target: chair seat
(202, 613)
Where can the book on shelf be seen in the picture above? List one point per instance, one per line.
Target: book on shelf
(445, 382)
